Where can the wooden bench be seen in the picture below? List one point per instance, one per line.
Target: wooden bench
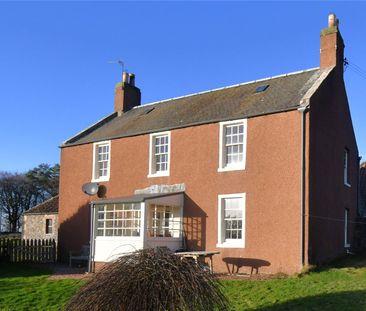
(83, 255)
(196, 255)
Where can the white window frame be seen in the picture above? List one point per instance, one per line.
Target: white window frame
(346, 167)
(95, 177)
(346, 224)
(221, 242)
(122, 220)
(152, 172)
(223, 167)
(174, 226)
(47, 227)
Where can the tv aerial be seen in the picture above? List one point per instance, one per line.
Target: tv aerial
(119, 62)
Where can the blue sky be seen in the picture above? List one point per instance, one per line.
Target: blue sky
(55, 78)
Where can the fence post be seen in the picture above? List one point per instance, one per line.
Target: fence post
(16, 250)
(33, 250)
(39, 250)
(53, 251)
(48, 250)
(9, 249)
(22, 250)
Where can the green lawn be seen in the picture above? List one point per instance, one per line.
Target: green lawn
(340, 287)
(26, 288)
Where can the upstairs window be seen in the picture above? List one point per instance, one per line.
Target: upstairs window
(49, 227)
(346, 168)
(101, 161)
(159, 154)
(232, 151)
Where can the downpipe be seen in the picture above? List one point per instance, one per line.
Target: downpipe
(92, 239)
(303, 109)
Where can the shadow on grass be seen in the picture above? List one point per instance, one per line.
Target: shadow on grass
(13, 270)
(341, 301)
(347, 261)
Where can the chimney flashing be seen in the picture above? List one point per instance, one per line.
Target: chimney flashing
(329, 30)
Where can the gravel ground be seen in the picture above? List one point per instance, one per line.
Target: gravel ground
(62, 271)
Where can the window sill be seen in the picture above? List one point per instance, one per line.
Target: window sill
(232, 168)
(164, 174)
(347, 185)
(114, 238)
(161, 238)
(100, 179)
(231, 245)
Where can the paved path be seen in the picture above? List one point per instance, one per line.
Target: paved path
(61, 271)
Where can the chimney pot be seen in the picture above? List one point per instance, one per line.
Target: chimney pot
(132, 79)
(125, 77)
(332, 20)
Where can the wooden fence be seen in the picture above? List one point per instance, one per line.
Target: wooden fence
(34, 251)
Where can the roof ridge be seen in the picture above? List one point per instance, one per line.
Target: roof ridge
(44, 202)
(227, 87)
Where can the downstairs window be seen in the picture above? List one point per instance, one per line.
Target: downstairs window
(122, 219)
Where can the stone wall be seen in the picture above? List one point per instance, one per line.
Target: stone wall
(34, 226)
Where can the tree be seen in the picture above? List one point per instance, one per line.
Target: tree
(20, 192)
(16, 196)
(45, 178)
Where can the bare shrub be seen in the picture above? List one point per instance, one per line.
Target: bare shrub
(150, 280)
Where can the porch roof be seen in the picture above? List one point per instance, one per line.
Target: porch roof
(136, 198)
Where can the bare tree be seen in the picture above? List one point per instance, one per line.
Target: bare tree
(16, 196)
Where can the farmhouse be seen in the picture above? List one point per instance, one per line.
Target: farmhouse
(265, 172)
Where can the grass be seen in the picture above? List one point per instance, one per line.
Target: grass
(341, 286)
(24, 287)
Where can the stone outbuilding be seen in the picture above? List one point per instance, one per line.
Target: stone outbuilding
(41, 221)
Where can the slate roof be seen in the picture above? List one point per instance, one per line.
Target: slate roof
(47, 207)
(284, 93)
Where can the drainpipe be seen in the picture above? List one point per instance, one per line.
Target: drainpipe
(359, 212)
(91, 243)
(303, 109)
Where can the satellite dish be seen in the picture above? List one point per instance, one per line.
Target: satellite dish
(90, 188)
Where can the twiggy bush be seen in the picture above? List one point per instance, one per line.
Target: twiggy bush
(150, 280)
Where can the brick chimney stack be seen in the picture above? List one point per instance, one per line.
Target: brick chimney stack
(331, 45)
(127, 95)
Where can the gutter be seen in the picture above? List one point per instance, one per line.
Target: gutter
(303, 110)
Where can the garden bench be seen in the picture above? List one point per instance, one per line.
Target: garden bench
(83, 255)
